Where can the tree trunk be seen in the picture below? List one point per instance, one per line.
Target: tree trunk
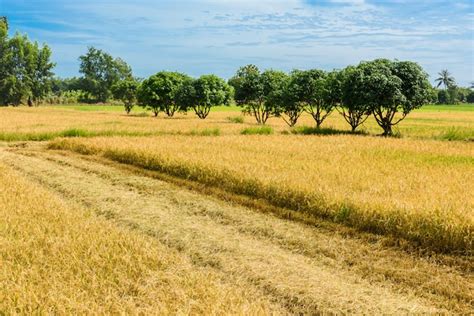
(387, 129)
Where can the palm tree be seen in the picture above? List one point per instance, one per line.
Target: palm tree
(445, 79)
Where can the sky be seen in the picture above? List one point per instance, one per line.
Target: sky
(218, 36)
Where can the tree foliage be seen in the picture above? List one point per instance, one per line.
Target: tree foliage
(100, 72)
(25, 69)
(311, 90)
(285, 100)
(253, 91)
(160, 91)
(445, 79)
(204, 93)
(354, 107)
(126, 91)
(392, 87)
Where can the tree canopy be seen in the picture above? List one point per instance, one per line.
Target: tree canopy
(445, 79)
(160, 92)
(100, 72)
(203, 93)
(25, 69)
(126, 91)
(255, 91)
(391, 88)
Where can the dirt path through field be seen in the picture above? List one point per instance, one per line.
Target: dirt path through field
(304, 269)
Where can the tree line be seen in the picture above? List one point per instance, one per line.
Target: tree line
(25, 68)
(384, 89)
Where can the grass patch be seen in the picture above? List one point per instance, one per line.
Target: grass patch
(140, 114)
(68, 133)
(307, 130)
(36, 137)
(259, 130)
(457, 134)
(446, 108)
(76, 132)
(205, 132)
(236, 119)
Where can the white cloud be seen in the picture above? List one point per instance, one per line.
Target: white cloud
(219, 35)
(351, 2)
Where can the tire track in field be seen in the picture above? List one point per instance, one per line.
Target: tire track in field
(305, 269)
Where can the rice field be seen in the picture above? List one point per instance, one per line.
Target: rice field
(107, 213)
(61, 260)
(46, 123)
(410, 188)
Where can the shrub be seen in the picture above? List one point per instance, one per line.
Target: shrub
(306, 130)
(236, 119)
(260, 130)
(206, 132)
(454, 134)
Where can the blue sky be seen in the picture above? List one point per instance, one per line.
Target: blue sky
(218, 36)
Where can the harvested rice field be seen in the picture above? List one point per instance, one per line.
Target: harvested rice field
(104, 213)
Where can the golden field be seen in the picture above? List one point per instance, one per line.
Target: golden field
(45, 123)
(61, 260)
(280, 266)
(409, 188)
(104, 213)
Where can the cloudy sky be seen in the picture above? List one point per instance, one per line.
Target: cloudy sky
(218, 36)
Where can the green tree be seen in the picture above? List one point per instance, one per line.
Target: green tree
(470, 97)
(25, 68)
(286, 99)
(5, 63)
(354, 106)
(443, 97)
(17, 62)
(454, 95)
(4, 21)
(445, 79)
(312, 91)
(41, 74)
(100, 72)
(126, 91)
(433, 99)
(204, 93)
(394, 87)
(159, 92)
(253, 90)
(462, 93)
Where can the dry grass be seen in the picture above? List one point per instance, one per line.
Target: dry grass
(305, 269)
(61, 260)
(412, 189)
(45, 123)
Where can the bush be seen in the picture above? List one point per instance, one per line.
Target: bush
(458, 134)
(236, 119)
(306, 130)
(206, 132)
(470, 97)
(260, 130)
(74, 132)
